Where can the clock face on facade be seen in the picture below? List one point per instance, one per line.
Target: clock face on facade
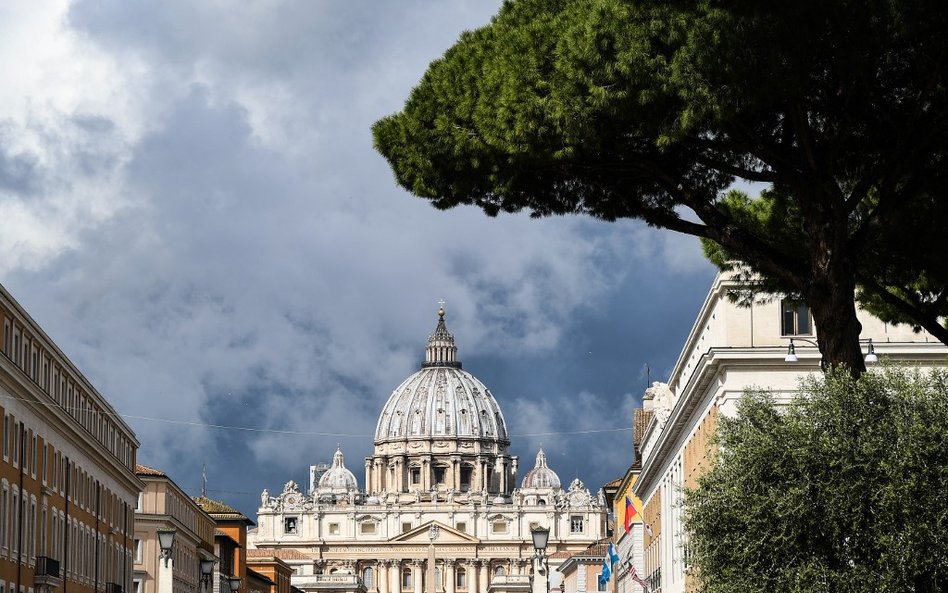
(292, 499)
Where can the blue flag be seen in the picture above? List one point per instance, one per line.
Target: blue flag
(606, 572)
(613, 555)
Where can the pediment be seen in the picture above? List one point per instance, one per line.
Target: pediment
(445, 535)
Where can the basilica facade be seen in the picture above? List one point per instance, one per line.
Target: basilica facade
(443, 507)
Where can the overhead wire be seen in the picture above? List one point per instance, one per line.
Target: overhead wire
(289, 432)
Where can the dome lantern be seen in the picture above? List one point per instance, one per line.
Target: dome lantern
(441, 351)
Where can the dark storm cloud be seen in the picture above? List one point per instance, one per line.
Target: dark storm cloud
(251, 263)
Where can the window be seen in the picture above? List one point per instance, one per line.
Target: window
(499, 571)
(139, 506)
(439, 474)
(4, 504)
(367, 527)
(6, 436)
(406, 578)
(795, 318)
(415, 475)
(466, 472)
(333, 529)
(498, 527)
(600, 584)
(461, 526)
(368, 577)
(289, 525)
(460, 579)
(138, 551)
(137, 586)
(406, 527)
(576, 524)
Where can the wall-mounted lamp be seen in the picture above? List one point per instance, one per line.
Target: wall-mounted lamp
(792, 351)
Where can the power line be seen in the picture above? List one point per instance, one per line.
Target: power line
(288, 432)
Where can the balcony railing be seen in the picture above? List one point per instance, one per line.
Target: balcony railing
(46, 576)
(47, 567)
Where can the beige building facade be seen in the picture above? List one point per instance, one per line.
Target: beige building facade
(68, 488)
(162, 504)
(443, 507)
(729, 349)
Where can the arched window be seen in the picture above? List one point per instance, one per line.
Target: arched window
(460, 579)
(406, 578)
(499, 570)
(368, 577)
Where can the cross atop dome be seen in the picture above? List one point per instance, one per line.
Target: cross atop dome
(441, 351)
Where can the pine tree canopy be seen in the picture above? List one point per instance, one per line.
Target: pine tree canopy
(652, 110)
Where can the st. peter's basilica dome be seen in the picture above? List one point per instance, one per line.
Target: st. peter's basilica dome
(441, 400)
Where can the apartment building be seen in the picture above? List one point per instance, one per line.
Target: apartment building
(67, 482)
(770, 345)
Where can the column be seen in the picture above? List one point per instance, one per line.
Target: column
(397, 581)
(368, 475)
(382, 568)
(484, 579)
(417, 576)
(473, 580)
(426, 473)
(456, 473)
(449, 576)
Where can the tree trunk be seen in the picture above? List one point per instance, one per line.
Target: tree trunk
(832, 299)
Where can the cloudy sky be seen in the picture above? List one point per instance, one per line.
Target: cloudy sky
(191, 207)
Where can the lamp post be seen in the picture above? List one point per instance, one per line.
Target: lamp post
(207, 569)
(166, 568)
(540, 579)
(234, 583)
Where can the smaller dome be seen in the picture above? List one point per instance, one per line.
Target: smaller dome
(541, 476)
(337, 478)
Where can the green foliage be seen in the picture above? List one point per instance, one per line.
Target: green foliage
(651, 109)
(843, 490)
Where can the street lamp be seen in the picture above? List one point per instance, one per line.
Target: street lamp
(541, 535)
(166, 542)
(207, 569)
(234, 583)
(540, 582)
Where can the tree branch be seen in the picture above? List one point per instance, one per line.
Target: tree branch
(911, 309)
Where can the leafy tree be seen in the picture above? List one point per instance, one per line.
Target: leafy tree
(841, 491)
(651, 109)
